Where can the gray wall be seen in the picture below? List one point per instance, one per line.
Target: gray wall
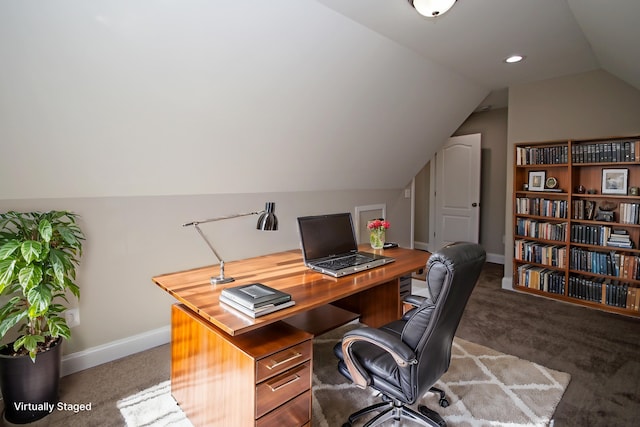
(588, 105)
(132, 239)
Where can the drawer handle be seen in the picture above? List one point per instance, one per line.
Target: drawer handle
(283, 383)
(276, 363)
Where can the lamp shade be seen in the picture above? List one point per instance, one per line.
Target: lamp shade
(432, 8)
(268, 220)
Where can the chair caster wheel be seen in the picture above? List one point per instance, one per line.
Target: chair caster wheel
(444, 402)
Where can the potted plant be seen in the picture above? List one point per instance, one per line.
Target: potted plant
(39, 254)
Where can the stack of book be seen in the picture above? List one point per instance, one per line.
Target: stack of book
(255, 299)
(619, 239)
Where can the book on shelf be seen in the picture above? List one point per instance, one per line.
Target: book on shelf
(255, 295)
(620, 239)
(606, 152)
(258, 311)
(620, 244)
(542, 155)
(629, 213)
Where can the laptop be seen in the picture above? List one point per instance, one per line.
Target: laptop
(329, 246)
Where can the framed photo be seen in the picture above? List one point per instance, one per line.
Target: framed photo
(614, 181)
(536, 181)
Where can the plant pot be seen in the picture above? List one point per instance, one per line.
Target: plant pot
(30, 390)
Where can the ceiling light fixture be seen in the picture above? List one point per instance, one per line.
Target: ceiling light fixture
(513, 59)
(432, 8)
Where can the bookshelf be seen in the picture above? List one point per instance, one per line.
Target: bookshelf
(576, 219)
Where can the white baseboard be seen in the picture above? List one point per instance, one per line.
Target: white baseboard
(495, 258)
(98, 355)
(421, 246)
(507, 283)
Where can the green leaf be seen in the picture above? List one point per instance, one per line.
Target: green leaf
(57, 262)
(75, 290)
(39, 298)
(46, 230)
(44, 253)
(69, 236)
(57, 308)
(31, 250)
(30, 343)
(7, 273)
(9, 305)
(58, 327)
(30, 276)
(12, 319)
(8, 249)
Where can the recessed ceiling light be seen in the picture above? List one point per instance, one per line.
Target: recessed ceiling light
(513, 59)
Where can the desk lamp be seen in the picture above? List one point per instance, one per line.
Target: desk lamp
(266, 222)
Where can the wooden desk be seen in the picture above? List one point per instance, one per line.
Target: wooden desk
(216, 352)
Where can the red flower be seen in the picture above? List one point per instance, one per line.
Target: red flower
(378, 223)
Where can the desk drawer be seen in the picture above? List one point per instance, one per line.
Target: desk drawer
(277, 390)
(294, 413)
(283, 360)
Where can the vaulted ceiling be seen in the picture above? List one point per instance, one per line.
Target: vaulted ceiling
(190, 97)
(557, 37)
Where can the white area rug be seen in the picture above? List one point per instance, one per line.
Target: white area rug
(153, 407)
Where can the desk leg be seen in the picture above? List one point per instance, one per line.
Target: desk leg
(377, 306)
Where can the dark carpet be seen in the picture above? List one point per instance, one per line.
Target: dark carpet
(601, 351)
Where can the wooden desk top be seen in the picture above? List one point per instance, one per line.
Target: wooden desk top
(284, 271)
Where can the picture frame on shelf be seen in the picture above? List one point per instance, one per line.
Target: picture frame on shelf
(536, 180)
(615, 181)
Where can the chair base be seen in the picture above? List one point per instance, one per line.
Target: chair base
(395, 410)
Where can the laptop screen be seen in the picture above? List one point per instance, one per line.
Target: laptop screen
(326, 235)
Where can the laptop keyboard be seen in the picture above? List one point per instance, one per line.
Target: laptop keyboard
(344, 262)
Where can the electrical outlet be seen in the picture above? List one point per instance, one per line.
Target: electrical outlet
(407, 193)
(73, 317)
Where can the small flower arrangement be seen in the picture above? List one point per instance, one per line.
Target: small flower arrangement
(377, 224)
(377, 229)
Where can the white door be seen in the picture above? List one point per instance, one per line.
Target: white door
(457, 191)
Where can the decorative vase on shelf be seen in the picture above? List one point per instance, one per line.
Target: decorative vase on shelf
(377, 232)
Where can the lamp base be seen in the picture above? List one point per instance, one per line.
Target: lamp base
(221, 280)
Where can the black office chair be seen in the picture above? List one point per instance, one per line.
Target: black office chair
(404, 359)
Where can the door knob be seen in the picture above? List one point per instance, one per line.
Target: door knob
(474, 205)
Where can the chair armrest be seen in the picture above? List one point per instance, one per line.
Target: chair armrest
(415, 300)
(401, 353)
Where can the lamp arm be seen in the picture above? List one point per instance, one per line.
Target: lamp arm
(195, 225)
(267, 221)
(220, 218)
